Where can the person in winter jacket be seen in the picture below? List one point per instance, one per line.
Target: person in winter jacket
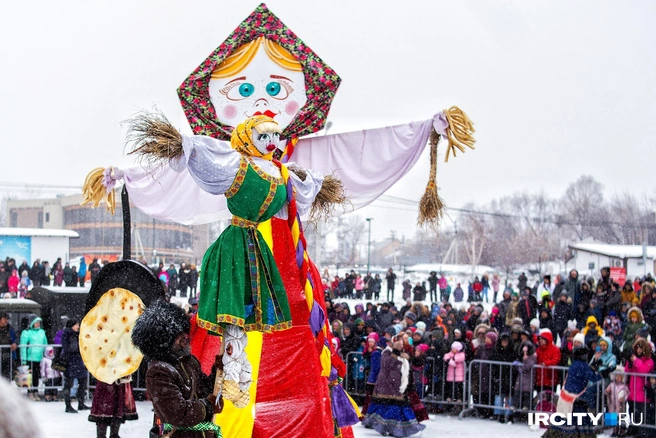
(181, 393)
(389, 412)
(12, 283)
(350, 342)
(527, 307)
(511, 309)
(69, 277)
(82, 272)
(482, 374)
(524, 384)
(562, 313)
(496, 281)
(545, 286)
(649, 312)
(639, 362)
(546, 321)
(503, 376)
(629, 295)
(616, 394)
(592, 331)
(548, 355)
(455, 373)
(33, 343)
(75, 368)
(572, 286)
(94, 269)
(458, 294)
(635, 322)
(579, 377)
(374, 351)
(7, 337)
(58, 274)
(585, 295)
(50, 376)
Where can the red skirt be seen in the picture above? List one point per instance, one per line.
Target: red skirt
(113, 402)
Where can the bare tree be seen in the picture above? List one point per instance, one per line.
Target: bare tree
(583, 206)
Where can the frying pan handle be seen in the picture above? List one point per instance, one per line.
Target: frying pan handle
(127, 226)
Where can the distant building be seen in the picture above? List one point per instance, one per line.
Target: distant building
(590, 256)
(28, 244)
(101, 234)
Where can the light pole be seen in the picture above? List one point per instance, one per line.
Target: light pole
(369, 219)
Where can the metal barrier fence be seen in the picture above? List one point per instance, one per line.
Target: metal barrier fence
(489, 388)
(10, 364)
(511, 389)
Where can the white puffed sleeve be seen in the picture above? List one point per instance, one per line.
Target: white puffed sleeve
(212, 163)
(305, 191)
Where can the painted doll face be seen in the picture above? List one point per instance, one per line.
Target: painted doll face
(266, 141)
(262, 87)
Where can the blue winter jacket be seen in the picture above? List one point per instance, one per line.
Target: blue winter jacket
(32, 336)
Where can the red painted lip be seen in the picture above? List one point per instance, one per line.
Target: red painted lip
(267, 113)
(271, 148)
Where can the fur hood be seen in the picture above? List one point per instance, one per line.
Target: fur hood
(156, 329)
(635, 310)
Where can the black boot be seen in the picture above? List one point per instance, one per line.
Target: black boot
(67, 401)
(81, 392)
(101, 430)
(114, 428)
(69, 408)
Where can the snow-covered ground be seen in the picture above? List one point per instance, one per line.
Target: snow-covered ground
(55, 423)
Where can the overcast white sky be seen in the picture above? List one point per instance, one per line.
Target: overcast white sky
(555, 88)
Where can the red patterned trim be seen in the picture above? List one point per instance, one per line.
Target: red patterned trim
(269, 199)
(256, 327)
(243, 223)
(239, 178)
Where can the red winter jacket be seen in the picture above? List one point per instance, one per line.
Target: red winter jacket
(549, 355)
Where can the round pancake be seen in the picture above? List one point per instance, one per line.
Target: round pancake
(106, 336)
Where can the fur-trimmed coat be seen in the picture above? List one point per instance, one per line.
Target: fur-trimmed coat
(170, 385)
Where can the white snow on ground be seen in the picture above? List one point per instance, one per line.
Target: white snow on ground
(57, 424)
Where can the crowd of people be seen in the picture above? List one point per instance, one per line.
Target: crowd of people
(15, 280)
(599, 326)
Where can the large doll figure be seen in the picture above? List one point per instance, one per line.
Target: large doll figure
(263, 68)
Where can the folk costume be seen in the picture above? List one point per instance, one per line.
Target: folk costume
(264, 68)
(389, 412)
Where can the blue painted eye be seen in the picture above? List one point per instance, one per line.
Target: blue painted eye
(273, 88)
(246, 89)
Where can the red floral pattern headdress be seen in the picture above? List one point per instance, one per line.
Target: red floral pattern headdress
(321, 81)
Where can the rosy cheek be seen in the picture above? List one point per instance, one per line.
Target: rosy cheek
(229, 112)
(291, 108)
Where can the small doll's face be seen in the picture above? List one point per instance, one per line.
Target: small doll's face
(266, 141)
(262, 87)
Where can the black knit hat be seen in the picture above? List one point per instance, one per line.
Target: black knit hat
(580, 353)
(156, 329)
